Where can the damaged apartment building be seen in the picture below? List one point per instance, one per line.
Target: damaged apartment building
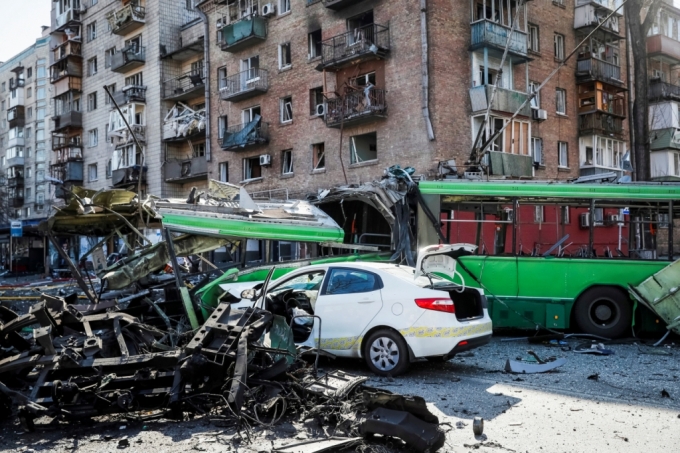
(25, 194)
(144, 57)
(318, 93)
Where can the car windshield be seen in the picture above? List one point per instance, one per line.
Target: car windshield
(406, 273)
(306, 282)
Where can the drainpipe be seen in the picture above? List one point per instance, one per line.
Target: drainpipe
(425, 71)
(629, 78)
(208, 72)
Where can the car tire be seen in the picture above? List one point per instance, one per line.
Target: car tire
(605, 311)
(386, 353)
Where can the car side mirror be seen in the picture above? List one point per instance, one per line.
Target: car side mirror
(250, 294)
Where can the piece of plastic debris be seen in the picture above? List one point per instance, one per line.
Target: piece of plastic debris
(513, 366)
(595, 348)
(594, 377)
(478, 426)
(665, 394)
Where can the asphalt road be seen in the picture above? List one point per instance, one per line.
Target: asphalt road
(623, 410)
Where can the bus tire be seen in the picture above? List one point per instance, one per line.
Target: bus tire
(605, 311)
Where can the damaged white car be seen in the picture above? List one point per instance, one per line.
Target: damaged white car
(387, 314)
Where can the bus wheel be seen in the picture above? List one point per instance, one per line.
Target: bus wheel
(605, 311)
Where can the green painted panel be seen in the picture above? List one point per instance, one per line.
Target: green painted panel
(253, 229)
(664, 139)
(543, 190)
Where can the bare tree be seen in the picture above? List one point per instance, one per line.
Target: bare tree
(640, 16)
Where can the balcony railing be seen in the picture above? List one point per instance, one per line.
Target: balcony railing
(236, 36)
(367, 42)
(128, 58)
(337, 5)
(662, 45)
(69, 171)
(505, 100)
(186, 170)
(665, 139)
(591, 16)
(67, 84)
(184, 87)
(69, 119)
(70, 154)
(127, 19)
(68, 18)
(123, 137)
(242, 136)
(489, 33)
(15, 162)
(130, 93)
(16, 201)
(16, 83)
(70, 48)
(60, 141)
(659, 90)
(244, 85)
(600, 124)
(596, 69)
(128, 176)
(65, 68)
(356, 107)
(15, 181)
(16, 117)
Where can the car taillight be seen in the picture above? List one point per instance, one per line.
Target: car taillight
(437, 304)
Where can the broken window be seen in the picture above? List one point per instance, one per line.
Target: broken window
(315, 46)
(316, 102)
(562, 155)
(363, 148)
(251, 168)
(363, 80)
(198, 150)
(222, 77)
(247, 115)
(197, 68)
(284, 56)
(287, 162)
(537, 150)
(319, 156)
(287, 109)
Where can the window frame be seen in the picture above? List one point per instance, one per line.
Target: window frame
(90, 167)
(558, 44)
(533, 37)
(377, 284)
(561, 145)
(561, 92)
(287, 100)
(282, 53)
(287, 161)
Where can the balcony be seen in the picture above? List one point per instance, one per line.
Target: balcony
(68, 67)
(511, 165)
(237, 138)
(127, 19)
(67, 120)
(15, 181)
(16, 117)
(16, 201)
(68, 49)
(16, 141)
(663, 139)
(123, 137)
(185, 52)
(611, 5)
(15, 83)
(505, 100)
(237, 36)
(14, 162)
(130, 93)
(60, 141)
(365, 43)
(664, 48)
(129, 58)
(659, 90)
(600, 124)
(356, 107)
(184, 87)
(587, 17)
(128, 176)
(181, 171)
(66, 84)
(68, 154)
(244, 85)
(337, 5)
(486, 33)
(592, 69)
(68, 172)
(16, 97)
(69, 18)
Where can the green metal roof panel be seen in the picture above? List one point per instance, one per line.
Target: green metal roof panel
(525, 189)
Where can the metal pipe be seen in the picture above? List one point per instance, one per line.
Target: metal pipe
(206, 84)
(591, 228)
(425, 70)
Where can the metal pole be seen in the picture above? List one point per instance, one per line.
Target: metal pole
(74, 269)
(515, 214)
(670, 230)
(591, 226)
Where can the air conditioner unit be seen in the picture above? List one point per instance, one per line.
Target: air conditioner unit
(612, 219)
(321, 109)
(265, 160)
(540, 114)
(268, 9)
(585, 220)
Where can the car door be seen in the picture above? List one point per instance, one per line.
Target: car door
(350, 298)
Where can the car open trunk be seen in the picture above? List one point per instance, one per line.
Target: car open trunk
(469, 303)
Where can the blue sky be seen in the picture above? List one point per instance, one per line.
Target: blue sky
(22, 20)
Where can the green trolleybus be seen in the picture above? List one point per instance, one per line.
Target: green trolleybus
(557, 254)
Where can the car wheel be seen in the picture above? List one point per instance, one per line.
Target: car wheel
(603, 311)
(386, 353)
